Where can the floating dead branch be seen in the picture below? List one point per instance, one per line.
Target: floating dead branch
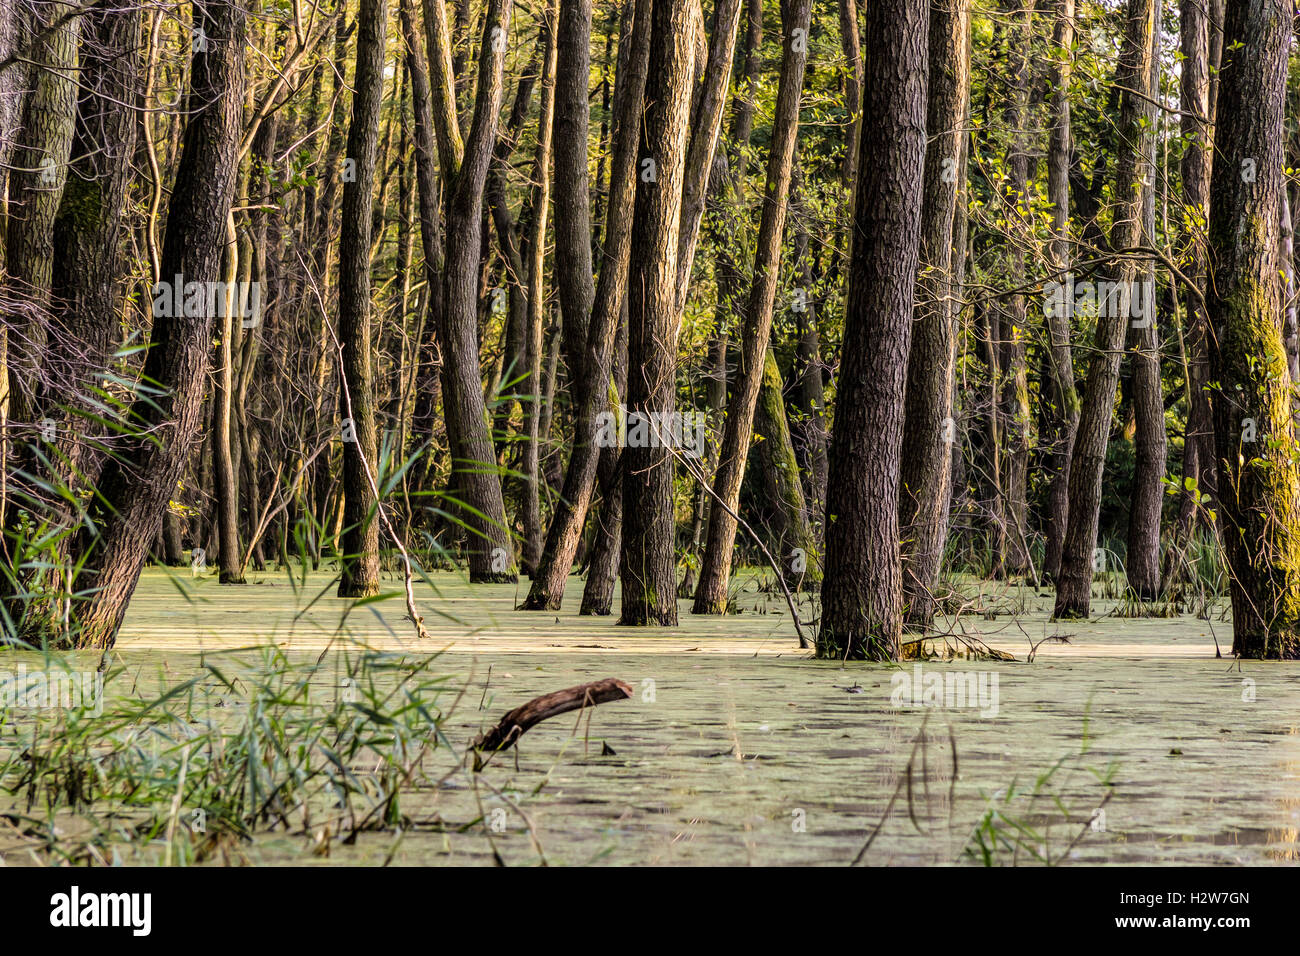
(518, 721)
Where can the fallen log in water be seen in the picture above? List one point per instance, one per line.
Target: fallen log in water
(516, 723)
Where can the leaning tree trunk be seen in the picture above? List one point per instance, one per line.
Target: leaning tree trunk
(1074, 587)
(465, 165)
(715, 570)
(607, 536)
(1259, 486)
(647, 567)
(862, 590)
(359, 544)
(929, 428)
(137, 483)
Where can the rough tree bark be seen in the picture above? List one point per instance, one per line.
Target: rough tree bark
(861, 593)
(534, 432)
(465, 165)
(1142, 562)
(136, 483)
(1259, 487)
(590, 385)
(360, 540)
(647, 568)
(929, 428)
(1063, 397)
(1198, 157)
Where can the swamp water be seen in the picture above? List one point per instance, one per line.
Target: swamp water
(1132, 743)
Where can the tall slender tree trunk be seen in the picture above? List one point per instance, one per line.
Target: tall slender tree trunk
(862, 590)
(1074, 587)
(647, 567)
(534, 433)
(1063, 407)
(1014, 309)
(428, 383)
(607, 536)
(929, 428)
(590, 383)
(1142, 564)
(360, 541)
(715, 571)
(224, 476)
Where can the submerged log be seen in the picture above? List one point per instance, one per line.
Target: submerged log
(518, 721)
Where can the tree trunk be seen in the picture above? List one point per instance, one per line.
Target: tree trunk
(606, 549)
(1014, 308)
(1259, 493)
(861, 594)
(591, 385)
(359, 545)
(1063, 406)
(929, 428)
(1142, 564)
(1133, 76)
(715, 570)
(465, 165)
(647, 567)
(137, 483)
(792, 538)
(535, 385)
(224, 478)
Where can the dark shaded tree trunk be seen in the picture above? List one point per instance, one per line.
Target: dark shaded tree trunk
(1062, 413)
(862, 590)
(428, 382)
(1074, 586)
(1142, 563)
(359, 545)
(137, 483)
(536, 412)
(1015, 426)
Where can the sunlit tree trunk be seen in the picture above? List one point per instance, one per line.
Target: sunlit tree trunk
(1259, 487)
(715, 571)
(647, 567)
(929, 428)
